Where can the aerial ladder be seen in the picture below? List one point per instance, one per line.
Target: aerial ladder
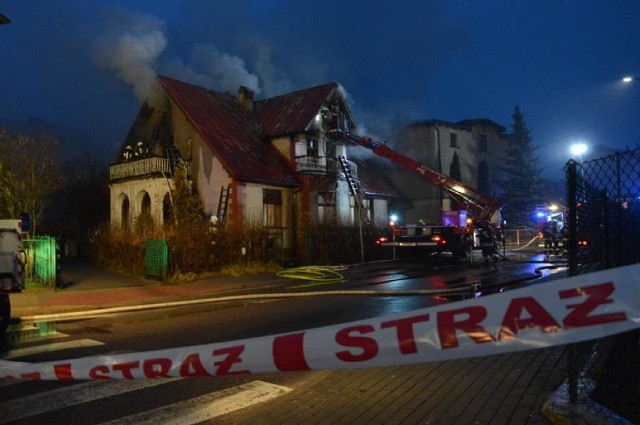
(483, 205)
(458, 240)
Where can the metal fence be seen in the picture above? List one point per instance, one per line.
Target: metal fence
(603, 200)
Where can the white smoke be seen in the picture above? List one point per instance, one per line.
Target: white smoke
(132, 44)
(130, 48)
(211, 68)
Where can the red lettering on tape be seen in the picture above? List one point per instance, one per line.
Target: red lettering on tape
(156, 368)
(63, 372)
(125, 368)
(514, 322)
(99, 372)
(404, 332)
(288, 353)
(596, 295)
(448, 325)
(232, 357)
(369, 346)
(192, 366)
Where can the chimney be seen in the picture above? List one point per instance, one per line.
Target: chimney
(245, 98)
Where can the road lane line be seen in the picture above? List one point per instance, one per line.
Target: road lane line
(47, 401)
(209, 406)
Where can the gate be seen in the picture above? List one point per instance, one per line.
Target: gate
(42, 261)
(156, 258)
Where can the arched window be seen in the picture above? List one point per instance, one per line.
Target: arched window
(167, 210)
(125, 212)
(145, 207)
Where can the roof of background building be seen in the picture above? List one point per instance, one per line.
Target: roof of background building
(463, 125)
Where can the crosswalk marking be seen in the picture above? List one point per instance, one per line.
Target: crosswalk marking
(207, 407)
(19, 352)
(190, 411)
(47, 401)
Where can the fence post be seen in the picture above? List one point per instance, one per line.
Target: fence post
(572, 207)
(572, 251)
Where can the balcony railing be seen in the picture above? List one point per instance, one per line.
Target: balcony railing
(322, 164)
(143, 167)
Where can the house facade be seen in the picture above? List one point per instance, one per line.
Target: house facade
(469, 151)
(274, 163)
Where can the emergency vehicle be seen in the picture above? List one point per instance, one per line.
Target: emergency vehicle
(458, 232)
(13, 261)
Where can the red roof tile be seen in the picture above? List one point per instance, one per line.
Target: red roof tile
(293, 112)
(231, 133)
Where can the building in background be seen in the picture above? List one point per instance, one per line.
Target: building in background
(469, 151)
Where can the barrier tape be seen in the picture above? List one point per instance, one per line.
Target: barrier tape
(554, 313)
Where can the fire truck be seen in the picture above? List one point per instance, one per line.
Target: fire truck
(12, 263)
(458, 233)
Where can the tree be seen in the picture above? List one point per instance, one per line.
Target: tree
(88, 177)
(522, 188)
(29, 173)
(187, 206)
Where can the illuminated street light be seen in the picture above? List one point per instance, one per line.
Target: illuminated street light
(629, 79)
(579, 149)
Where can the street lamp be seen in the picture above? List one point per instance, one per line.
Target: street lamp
(630, 78)
(579, 149)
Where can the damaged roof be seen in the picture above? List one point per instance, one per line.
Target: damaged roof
(293, 112)
(372, 182)
(232, 133)
(239, 137)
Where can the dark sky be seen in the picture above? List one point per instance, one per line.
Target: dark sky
(86, 64)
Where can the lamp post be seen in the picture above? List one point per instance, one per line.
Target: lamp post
(393, 221)
(579, 149)
(630, 78)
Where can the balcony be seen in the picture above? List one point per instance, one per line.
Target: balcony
(311, 164)
(322, 165)
(143, 167)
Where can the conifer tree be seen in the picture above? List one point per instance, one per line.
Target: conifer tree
(523, 186)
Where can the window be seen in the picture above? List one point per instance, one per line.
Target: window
(271, 208)
(312, 147)
(326, 207)
(482, 143)
(367, 209)
(453, 138)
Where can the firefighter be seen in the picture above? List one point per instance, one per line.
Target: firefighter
(547, 235)
(488, 243)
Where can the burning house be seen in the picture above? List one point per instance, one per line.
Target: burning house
(263, 162)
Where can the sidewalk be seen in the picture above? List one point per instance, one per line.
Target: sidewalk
(85, 287)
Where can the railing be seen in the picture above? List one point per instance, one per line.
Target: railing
(142, 167)
(322, 164)
(314, 164)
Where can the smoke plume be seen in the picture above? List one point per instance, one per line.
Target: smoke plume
(130, 48)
